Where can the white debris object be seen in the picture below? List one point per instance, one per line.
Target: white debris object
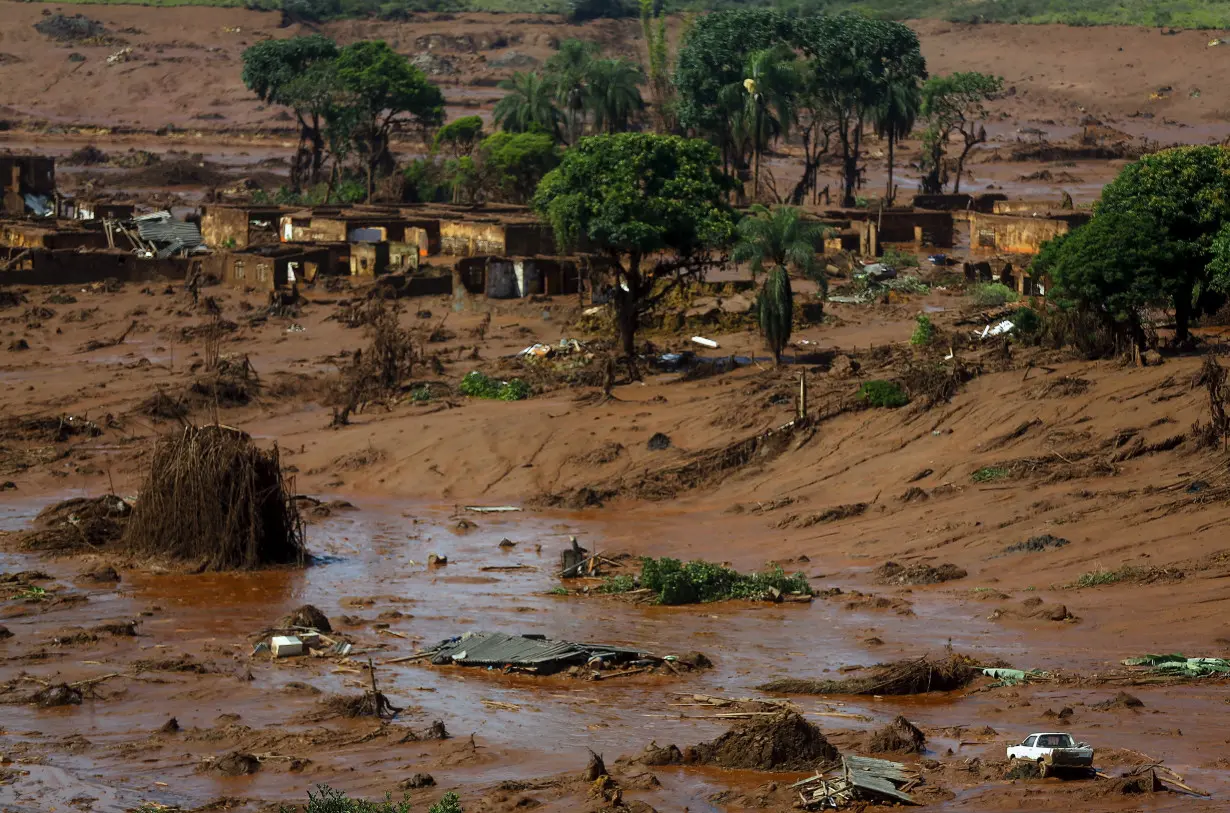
(311, 640)
(284, 646)
(703, 342)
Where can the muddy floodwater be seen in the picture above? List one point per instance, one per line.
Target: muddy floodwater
(372, 570)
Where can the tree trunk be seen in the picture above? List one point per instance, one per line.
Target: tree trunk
(627, 302)
(1182, 313)
(889, 194)
(757, 146)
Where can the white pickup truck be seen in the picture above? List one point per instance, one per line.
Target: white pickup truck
(1051, 751)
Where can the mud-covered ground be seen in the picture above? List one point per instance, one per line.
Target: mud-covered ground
(1095, 453)
(1037, 448)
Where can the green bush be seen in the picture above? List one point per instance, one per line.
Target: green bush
(1026, 321)
(328, 800)
(894, 257)
(617, 584)
(481, 385)
(924, 331)
(699, 581)
(420, 395)
(992, 295)
(882, 394)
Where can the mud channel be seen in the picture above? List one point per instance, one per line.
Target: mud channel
(110, 754)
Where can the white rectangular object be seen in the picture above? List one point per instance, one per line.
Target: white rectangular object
(701, 340)
(284, 646)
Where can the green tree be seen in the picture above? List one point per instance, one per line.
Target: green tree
(846, 54)
(895, 115)
(460, 136)
(568, 73)
(771, 93)
(1117, 266)
(851, 56)
(518, 161)
(287, 72)
(382, 90)
(954, 105)
(613, 95)
(653, 204)
(527, 105)
(775, 310)
(779, 238)
(1185, 191)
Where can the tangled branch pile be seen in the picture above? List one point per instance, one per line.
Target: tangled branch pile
(214, 499)
(917, 676)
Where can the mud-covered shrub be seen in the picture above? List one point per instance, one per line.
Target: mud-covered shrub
(696, 582)
(992, 295)
(481, 385)
(882, 394)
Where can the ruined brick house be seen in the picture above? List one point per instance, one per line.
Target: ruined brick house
(268, 267)
(22, 176)
(234, 226)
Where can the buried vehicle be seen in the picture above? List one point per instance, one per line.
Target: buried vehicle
(1052, 751)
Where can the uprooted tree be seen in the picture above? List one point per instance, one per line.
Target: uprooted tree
(214, 500)
(652, 204)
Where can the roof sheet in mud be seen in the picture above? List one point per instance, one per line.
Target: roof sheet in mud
(499, 649)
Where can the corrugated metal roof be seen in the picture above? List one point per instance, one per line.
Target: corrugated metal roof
(162, 229)
(499, 649)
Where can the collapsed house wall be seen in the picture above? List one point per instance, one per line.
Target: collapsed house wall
(1012, 234)
(239, 227)
(267, 268)
(73, 267)
(516, 277)
(21, 234)
(1033, 208)
(369, 259)
(465, 238)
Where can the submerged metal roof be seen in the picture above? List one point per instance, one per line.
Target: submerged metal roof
(499, 649)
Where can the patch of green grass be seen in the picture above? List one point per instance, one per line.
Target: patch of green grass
(698, 582)
(882, 394)
(623, 583)
(992, 295)
(421, 395)
(989, 474)
(558, 591)
(32, 593)
(481, 385)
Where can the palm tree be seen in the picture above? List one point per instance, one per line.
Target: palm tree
(568, 72)
(527, 105)
(780, 239)
(899, 101)
(614, 95)
(771, 86)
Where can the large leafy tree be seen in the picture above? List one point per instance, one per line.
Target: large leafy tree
(848, 56)
(1186, 190)
(517, 162)
(528, 104)
(382, 90)
(460, 136)
(653, 204)
(852, 56)
(613, 95)
(955, 105)
(296, 73)
(1116, 266)
(895, 115)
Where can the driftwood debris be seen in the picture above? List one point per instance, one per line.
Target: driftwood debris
(877, 781)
